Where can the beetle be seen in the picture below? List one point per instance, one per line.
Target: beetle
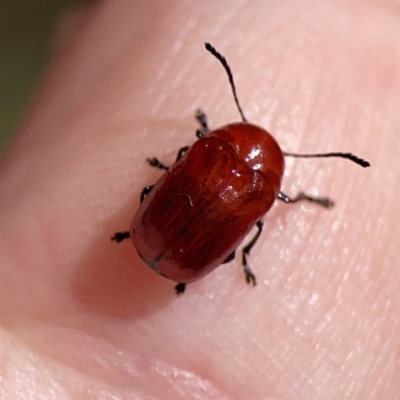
(196, 215)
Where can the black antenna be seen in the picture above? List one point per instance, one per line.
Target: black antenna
(348, 156)
(224, 63)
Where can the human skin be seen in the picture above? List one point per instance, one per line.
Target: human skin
(84, 318)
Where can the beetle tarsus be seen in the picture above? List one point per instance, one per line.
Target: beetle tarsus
(180, 288)
(250, 277)
(120, 236)
(155, 162)
(202, 120)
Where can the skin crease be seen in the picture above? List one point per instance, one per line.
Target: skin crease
(84, 318)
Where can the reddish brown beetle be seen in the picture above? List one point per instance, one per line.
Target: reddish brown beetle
(197, 214)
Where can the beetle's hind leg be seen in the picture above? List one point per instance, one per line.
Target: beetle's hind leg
(322, 201)
(250, 277)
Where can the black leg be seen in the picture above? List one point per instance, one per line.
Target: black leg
(181, 153)
(180, 288)
(145, 192)
(154, 162)
(250, 277)
(120, 236)
(229, 258)
(322, 201)
(202, 120)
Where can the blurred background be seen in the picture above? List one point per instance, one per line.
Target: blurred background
(26, 29)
